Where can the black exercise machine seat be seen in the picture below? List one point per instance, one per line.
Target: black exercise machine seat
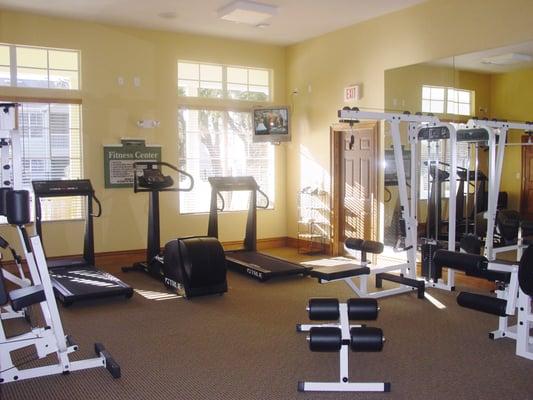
(26, 296)
(333, 272)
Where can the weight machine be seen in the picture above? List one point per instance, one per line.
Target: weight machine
(340, 336)
(514, 290)
(50, 338)
(419, 126)
(498, 129)
(11, 179)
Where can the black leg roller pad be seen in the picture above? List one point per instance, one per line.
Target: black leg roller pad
(339, 336)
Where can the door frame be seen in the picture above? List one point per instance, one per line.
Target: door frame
(337, 201)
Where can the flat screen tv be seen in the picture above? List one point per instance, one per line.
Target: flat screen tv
(271, 125)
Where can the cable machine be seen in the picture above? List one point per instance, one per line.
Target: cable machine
(11, 179)
(419, 127)
(499, 131)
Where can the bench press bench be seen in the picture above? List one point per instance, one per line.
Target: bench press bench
(349, 271)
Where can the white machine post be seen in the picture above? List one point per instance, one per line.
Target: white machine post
(496, 158)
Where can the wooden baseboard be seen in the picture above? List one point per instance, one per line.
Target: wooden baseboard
(262, 244)
(307, 245)
(113, 261)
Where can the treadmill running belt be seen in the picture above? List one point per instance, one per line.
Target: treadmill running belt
(262, 266)
(72, 284)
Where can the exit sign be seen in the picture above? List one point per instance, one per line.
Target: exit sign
(352, 93)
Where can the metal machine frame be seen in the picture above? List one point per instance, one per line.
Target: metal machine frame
(11, 179)
(47, 340)
(408, 207)
(496, 158)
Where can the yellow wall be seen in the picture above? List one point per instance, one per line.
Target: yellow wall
(362, 53)
(512, 99)
(110, 112)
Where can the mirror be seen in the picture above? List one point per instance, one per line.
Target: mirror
(494, 83)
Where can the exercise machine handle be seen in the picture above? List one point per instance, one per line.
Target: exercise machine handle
(99, 213)
(266, 198)
(223, 202)
(151, 164)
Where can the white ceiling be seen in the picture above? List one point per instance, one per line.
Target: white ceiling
(472, 61)
(296, 20)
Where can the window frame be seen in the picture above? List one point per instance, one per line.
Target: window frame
(14, 65)
(224, 82)
(446, 100)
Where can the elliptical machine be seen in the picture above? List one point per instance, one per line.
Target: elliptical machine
(192, 266)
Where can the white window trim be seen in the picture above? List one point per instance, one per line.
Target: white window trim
(13, 65)
(224, 82)
(446, 100)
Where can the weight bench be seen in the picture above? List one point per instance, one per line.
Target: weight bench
(349, 271)
(515, 288)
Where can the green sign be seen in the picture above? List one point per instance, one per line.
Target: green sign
(119, 159)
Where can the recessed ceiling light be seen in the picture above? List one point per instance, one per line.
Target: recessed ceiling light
(247, 12)
(167, 15)
(507, 59)
(262, 26)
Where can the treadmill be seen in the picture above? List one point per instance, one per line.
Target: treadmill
(77, 278)
(248, 260)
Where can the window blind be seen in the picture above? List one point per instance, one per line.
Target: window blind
(219, 143)
(51, 149)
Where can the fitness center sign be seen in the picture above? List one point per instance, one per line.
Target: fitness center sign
(119, 159)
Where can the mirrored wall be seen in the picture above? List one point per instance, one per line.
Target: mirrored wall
(493, 83)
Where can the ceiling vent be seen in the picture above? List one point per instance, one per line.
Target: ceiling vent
(507, 59)
(247, 12)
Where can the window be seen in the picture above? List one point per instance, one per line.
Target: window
(51, 149)
(459, 102)
(436, 99)
(439, 150)
(223, 82)
(433, 99)
(39, 67)
(219, 143)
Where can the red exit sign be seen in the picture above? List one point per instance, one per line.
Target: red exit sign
(352, 93)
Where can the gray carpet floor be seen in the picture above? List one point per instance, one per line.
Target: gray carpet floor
(243, 345)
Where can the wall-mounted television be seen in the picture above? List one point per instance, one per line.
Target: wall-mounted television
(271, 125)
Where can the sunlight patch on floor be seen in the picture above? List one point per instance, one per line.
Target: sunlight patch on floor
(157, 296)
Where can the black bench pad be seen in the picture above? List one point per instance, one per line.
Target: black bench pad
(25, 297)
(367, 246)
(333, 272)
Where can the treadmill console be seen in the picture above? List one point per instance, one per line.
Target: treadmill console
(56, 188)
(233, 183)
